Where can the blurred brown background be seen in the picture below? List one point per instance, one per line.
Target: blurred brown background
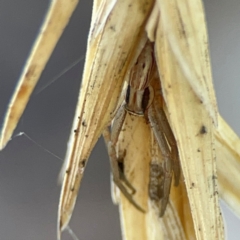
(28, 175)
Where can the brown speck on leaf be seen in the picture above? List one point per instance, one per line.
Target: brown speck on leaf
(113, 28)
(182, 29)
(21, 93)
(30, 72)
(203, 130)
(214, 177)
(83, 163)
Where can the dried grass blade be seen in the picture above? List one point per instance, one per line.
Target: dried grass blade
(228, 165)
(55, 21)
(183, 61)
(180, 203)
(111, 48)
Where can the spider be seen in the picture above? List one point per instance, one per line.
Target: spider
(143, 99)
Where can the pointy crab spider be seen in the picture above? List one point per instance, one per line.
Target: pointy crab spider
(143, 98)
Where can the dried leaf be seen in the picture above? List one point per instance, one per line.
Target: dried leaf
(228, 165)
(183, 61)
(56, 20)
(108, 58)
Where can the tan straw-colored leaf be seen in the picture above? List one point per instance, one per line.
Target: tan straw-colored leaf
(183, 61)
(54, 24)
(228, 165)
(108, 57)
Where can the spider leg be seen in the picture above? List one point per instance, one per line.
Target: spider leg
(116, 162)
(161, 116)
(158, 129)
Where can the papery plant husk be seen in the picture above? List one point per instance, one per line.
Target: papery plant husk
(184, 68)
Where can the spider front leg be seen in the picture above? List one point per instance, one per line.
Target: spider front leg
(167, 145)
(116, 162)
(166, 169)
(161, 116)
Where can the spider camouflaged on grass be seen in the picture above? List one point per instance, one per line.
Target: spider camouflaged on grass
(117, 36)
(143, 99)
